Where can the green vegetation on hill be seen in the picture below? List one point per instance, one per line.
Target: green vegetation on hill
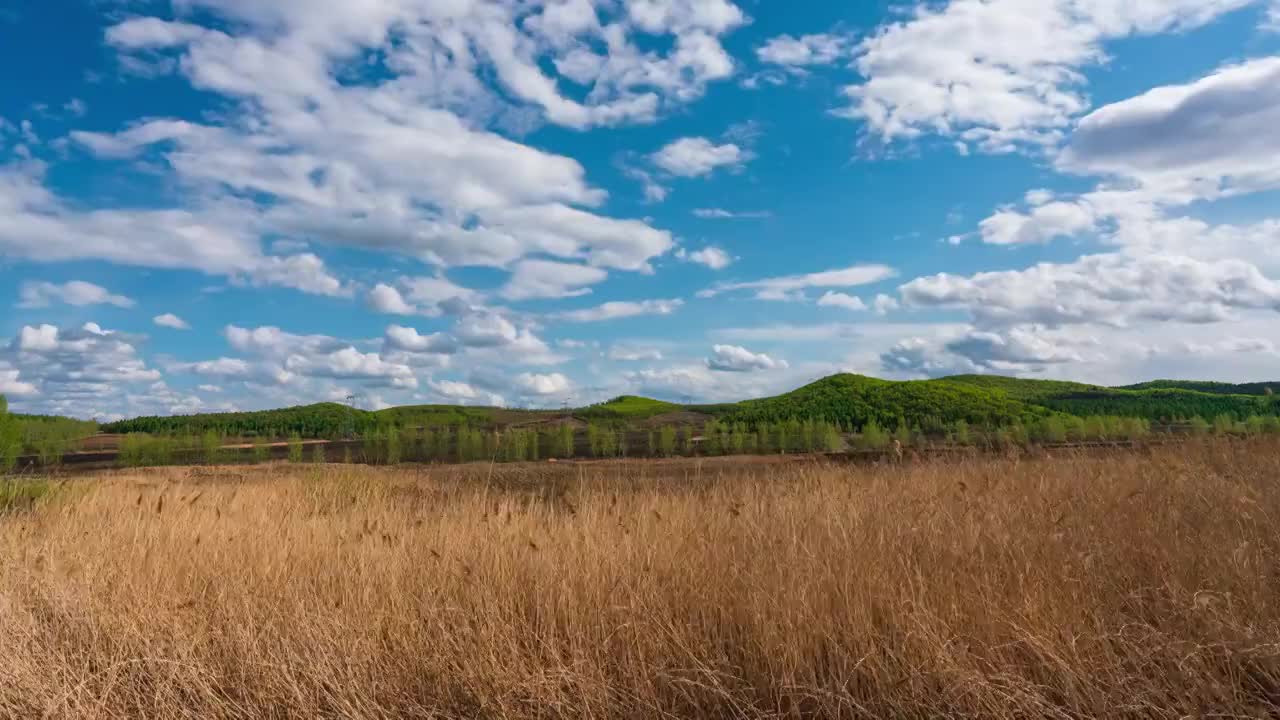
(1020, 388)
(1163, 400)
(1205, 386)
(628, 407)
(855, 400)
(849, 401)
(322, 420)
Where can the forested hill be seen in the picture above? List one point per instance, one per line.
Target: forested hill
(848, 400)
(1216, 388)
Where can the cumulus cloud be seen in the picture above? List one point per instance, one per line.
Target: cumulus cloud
(791, 287)
(532, 279)
(78, 371)
(351, 364)
(12, 384)
(1044, 222)
(1218, 134)
(711, 256)
(842, 300)
(697, 157)
(76, 292)
(618, 310)
(171, 321)
(406, 339)
(815, 49)
(270, 341)
(218, 239)
(1109, 289)
(733, 358)
(628, 353)
(542, 385)
(399, 163)
(998, 74)
(426, 295)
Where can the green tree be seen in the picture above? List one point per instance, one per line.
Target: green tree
(903, 434)
(831, 440)
(1224, 424)
(392, 454)
(10, 438)
(211, 448)
(1199, 426)
(872, 437)
(295, 448)
(565, 444)
(667, 440)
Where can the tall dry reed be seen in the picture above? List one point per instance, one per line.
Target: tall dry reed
(1107, 585)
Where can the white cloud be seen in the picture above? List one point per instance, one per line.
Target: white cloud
(791, 287)
(628, 353)
(169, 320)
(1107, 289)
(11, 384)
(698, 156)
(386, 299)
(998, 73)
(842, 300)
(537, 384)
(816, 49)
(269, 341)
(425, 295)
(76, 292)
(722, 214)
(406, 339)
(351, 364)
(621, 309)
(399, 163)
(884, 304)
(453, 390)
(733, 358)
(711, 256)
(532, 279)
(1043, 223)
(486, 329)
(450, 48)
(1218, 134)
(77, 371)
(218, 239)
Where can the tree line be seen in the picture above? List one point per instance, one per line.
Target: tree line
(46, 437)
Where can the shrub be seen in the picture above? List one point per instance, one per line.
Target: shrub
(295, 448)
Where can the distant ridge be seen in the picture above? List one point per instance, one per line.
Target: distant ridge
(847, 399)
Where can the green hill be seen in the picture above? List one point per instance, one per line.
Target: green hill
(1158, 400)
(1205, 386)
(856, 400)
(850, 400)
(628, 407)
(1020, 388)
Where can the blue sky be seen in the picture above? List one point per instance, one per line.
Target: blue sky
(228, 204)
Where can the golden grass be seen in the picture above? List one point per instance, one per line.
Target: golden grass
(1105, 585)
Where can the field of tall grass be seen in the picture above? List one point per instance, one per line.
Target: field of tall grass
(1110, 584)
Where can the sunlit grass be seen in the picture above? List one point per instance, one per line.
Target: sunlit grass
(1093, 585)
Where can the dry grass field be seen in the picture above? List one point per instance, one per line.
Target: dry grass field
(1114, 584)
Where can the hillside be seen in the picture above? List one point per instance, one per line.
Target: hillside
(849, 400)
(1205, 386)
(1158, 400)
(855, 400)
